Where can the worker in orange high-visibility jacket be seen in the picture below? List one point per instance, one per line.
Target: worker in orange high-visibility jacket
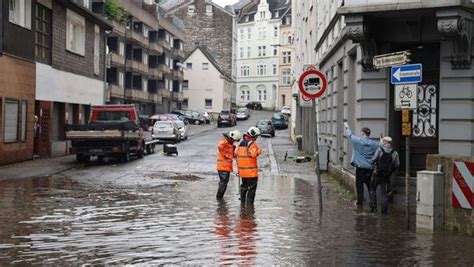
(225, 157)
(247, 154)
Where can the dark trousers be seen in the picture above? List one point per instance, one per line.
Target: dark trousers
(248, 188)
(383, 181)
(363, 176)
(223, 180)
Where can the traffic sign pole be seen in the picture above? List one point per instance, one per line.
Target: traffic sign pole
(406, 131)
(316, 152)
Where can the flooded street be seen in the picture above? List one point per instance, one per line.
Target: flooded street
(129, 214)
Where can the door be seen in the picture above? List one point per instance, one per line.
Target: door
(424, 120)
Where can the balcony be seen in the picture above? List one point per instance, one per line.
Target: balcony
(178, 75)
(137, 66)
(136, 94)
(119, 28)
(165, 44)
(156, 47)
(116, 91)
(179, 53)
(155, 72)
(164, 69)
(117, 59)
(164, 92)
(138, 38)
(178, 96)
(155, 98)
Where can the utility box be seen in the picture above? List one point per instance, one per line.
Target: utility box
(429, 200)
(323, 157)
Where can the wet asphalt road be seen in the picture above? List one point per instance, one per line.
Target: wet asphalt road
(162, 210)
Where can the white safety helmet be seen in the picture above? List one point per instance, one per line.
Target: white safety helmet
(253, 131)
(235, 135)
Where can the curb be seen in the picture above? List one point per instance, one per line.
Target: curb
(274, 170)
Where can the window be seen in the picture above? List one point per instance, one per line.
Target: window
(24, 120)
(208, 103)
(286, 76)
(241, 52)
(144, 58)
(287, 57)
(85, 3)
(274, 69)
(191, 9)
(120, 79)
(205, 66)
(144, 84)
(259, 95)
(75, 33)
(261, 69)
(185, 84)
(20, 12)
(245, 93)
(241, 34)
(275, 50)
(244, 70)
(277, 14)
(185, 102)
(275, 31)
(262, 51)
(262, 15)
(264, 95)
(121, 48)
(249, 33)
(43, 34)
(96, 49)
(249, 51)
(146, 31)
(11, 121)
(242, 95)
(261, 33)
(248, 95)
(208, 9)
(189, 66)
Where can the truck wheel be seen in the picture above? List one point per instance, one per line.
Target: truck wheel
(126, 156)
(148, 149)
(100, 158)
(82, 158)
(153, 149)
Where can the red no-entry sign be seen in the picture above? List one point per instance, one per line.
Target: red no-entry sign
(312, 83)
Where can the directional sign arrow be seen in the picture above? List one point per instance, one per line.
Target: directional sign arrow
(397, 75)
(406, 103)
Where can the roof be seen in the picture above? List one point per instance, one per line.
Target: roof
(282, 6)
(170, 6)
(211, 59)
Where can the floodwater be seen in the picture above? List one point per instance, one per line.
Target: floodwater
(57, 221)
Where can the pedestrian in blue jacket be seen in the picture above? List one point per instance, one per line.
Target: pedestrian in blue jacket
(363, 150)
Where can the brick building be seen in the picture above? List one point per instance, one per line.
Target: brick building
(17, 80)
(209, 26)
(70, 45)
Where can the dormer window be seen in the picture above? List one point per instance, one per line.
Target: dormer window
(262, 14)
(277, 14)
(191, 9)
(208, 8)
(247, 18)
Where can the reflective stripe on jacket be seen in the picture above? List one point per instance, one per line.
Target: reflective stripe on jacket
(247, 154)
(225, 155)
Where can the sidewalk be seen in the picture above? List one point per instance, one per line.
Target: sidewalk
(37, 168)
(282, 145)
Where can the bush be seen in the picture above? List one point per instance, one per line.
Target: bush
(114, 11)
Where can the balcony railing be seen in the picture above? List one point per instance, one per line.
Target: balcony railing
(156, 47)
(164, 92)
(137, 66)
(117, 59)
(138, 38)
(178, 96)
(119, 28)
(179, 53)
(164, 68)
(116, 91)
(155, 72)
(136, 94)
(165, 44)
(155, 98)
(178, 75)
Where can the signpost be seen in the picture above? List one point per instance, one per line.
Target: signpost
(406, 96)
(406, 74)
(312, 84)
(388, 60)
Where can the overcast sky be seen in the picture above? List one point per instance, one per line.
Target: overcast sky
(224, 2)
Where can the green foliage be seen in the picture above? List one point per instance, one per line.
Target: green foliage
(114, 11)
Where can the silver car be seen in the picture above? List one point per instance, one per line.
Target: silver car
(242, 114)
(183, 129)
(166, 130)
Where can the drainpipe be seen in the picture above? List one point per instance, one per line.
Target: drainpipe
(106, 54)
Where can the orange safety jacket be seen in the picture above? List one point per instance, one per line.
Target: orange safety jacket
(225, 155)
(247, 154)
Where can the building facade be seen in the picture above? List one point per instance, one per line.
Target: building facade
(258, 45)
(17, 80)
(213, 93)
(70, 59)
(348, 34)
(284, 97)
(145, 51)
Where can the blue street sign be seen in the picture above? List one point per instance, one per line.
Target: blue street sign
(406, 74)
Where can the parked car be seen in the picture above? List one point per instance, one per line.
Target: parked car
(242, 114)
(196, 116)
(166, 131)
(169, 117)
(206, 116)
(226, 118)
(280, 121)
(254, 105)
(286, 110)
(266, 127)
(183, 130)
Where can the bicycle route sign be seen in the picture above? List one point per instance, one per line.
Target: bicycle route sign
(312, 83)
(406, 96)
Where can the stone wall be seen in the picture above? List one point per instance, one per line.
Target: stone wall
(455, 219)
(210, 30)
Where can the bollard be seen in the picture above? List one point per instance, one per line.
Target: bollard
(299, 142)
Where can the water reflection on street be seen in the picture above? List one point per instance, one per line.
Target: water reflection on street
(56, 220)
